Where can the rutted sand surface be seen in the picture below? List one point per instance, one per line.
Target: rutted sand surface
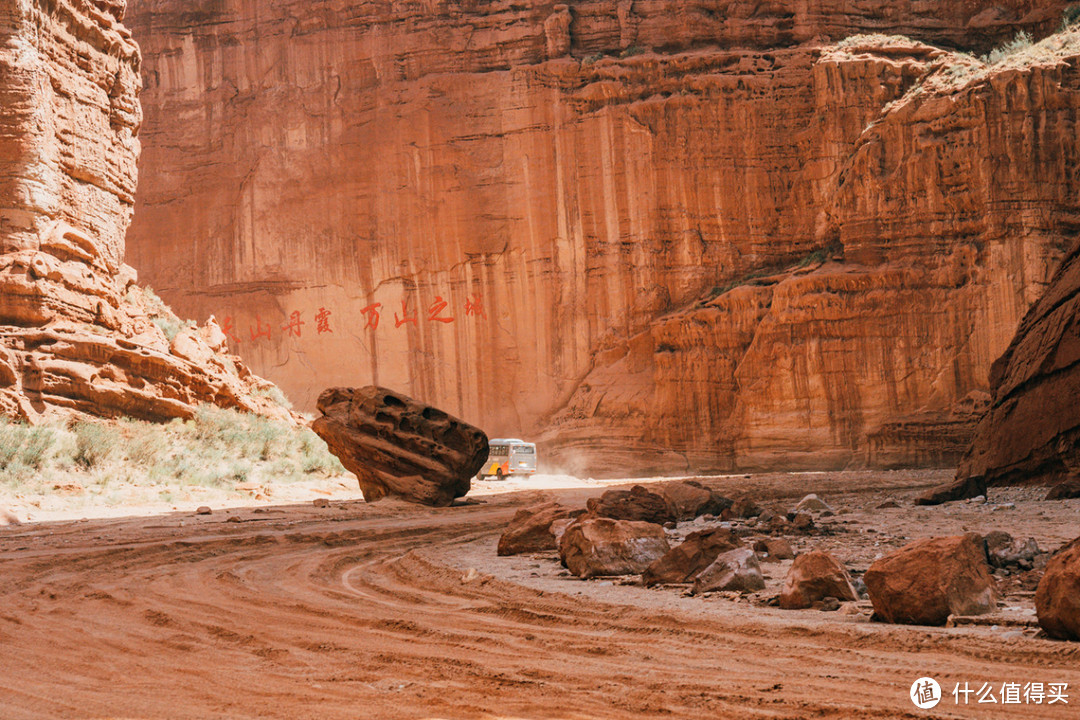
(360, 611)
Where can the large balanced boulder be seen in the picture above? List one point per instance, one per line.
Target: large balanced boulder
(689, 499)
(602, 546)
(397, 446)
(927, 581)
(813, 577)
(690, 557)
(1057, 599)
(637, 503)
(530, 530)
(736, 570)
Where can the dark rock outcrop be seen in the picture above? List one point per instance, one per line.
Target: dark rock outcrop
(397, 446)
(1032, 431)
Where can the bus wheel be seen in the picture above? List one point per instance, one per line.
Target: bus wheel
(498, 474)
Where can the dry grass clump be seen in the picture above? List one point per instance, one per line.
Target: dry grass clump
(217, 448)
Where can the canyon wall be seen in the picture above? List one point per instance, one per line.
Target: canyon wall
(76, 332)
(659, 237)
(1032, 431)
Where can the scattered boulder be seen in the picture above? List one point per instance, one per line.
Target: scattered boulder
(813, 577)
(530, 530)
(1068, 490)
(397, 446)
(559, 527)
(690, 499)
(802, 522)
(683, 562)
(637, 503)
(1057, 599)
(736, 570)
(602, 546)
(321, 502)
(203, 510)
(775, 549)
(744, 507)
(963, 488)
(1003, 551)
(928, 580)
(812, 503)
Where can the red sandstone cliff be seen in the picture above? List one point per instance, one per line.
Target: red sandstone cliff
(1032, 432)
(685, 237)
(76, 332)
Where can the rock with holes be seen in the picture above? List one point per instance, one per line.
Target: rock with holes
(694, 554)
(602, 546)
(530, 530)
(398, 447)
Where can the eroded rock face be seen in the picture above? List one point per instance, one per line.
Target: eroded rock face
(928, 580)
(1057, 599)
(744, 249)
(813, 577)
(1032, 432)
(76, 332)
(530, 530)
(397, 446)
(690, 557)
(601, 546)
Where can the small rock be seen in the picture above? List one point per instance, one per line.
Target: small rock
(744, 507)
(203, 510)
(471, 575)
(684, 562)
(320, 502)
(812, 503)
(802, 522)
(888, 504)
(827, 604)
(978, 500)
(233, 519)
(776, 549)
(1003, 506)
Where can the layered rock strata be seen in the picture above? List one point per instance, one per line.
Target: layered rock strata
(76, 332)
(710, 236)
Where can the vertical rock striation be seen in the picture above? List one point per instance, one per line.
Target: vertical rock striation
(701, 236)
(76, 333)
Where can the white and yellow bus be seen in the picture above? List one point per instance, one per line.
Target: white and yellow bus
(508, 457)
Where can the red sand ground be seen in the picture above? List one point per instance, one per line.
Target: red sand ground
(359, 611)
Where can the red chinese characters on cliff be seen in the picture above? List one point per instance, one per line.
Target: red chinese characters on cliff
(438, 311)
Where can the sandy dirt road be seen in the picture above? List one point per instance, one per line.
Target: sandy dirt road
(360, 611)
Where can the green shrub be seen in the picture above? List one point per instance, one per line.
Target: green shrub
(632, 51)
